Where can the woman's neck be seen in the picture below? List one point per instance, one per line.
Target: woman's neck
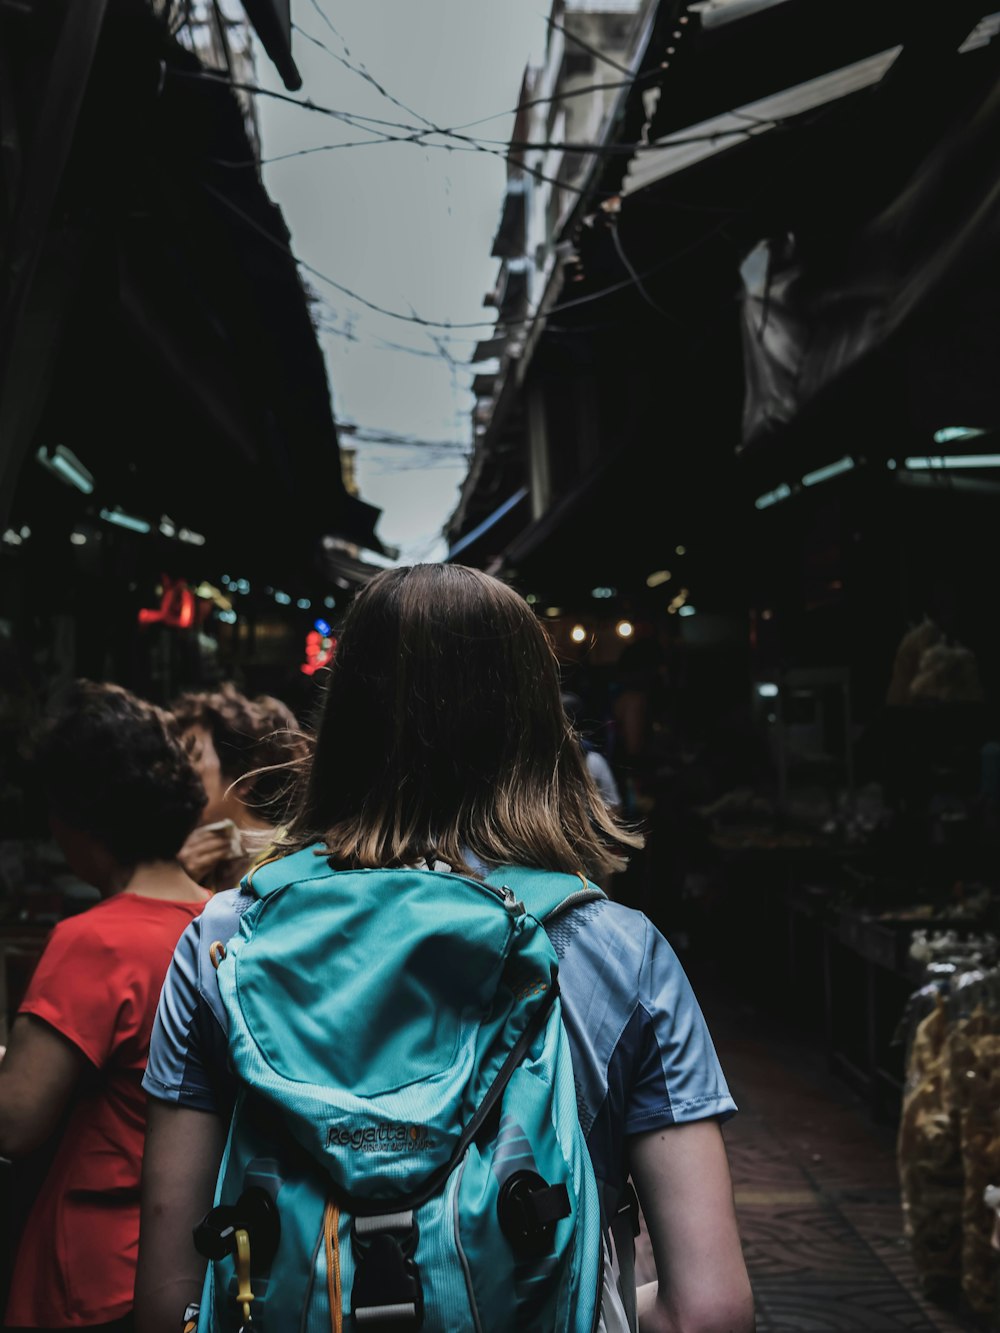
(165, 880)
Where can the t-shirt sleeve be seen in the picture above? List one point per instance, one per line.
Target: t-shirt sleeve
(677, 1076)
(86, 990)
(182, 1063)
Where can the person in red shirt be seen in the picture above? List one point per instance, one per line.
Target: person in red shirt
(123, 796)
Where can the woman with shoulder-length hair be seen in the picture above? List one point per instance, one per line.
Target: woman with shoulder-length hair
(444, 746)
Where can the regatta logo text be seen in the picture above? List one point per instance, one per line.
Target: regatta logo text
(386, 1137)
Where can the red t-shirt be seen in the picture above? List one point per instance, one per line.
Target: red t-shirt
(97, 983)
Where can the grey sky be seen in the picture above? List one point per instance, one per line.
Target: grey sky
(404, 225)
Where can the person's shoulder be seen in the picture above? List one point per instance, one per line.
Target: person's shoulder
(90, 925)
(625, 922)
(220, 918)
(609, 929)
(603, 928)
(192, 968)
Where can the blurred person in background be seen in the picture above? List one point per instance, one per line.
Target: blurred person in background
(242, 750)
(637, 702)
(597, 766)
(122, 797)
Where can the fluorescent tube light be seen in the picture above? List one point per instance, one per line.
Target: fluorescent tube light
(769, 498)
(948, 434)
(124, 520)
(952, 461)
(67, 467)
(825, 473)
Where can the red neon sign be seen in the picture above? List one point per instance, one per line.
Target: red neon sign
(178, 607)
(320, 649)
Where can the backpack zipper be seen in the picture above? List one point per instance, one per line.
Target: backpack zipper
(509, 900)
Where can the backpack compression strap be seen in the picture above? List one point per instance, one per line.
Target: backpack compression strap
(273, 874)
(546, 894)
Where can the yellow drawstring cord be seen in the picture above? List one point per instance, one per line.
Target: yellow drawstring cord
(244, 1293)
(331, 1236)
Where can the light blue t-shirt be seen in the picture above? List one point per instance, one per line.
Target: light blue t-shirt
(642, 1054)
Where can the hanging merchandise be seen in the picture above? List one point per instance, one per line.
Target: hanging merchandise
(929, 1155)
(974, 1059)
(949, 1136)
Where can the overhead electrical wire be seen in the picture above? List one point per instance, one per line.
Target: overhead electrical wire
(591, 50)
(584, 91)
(376, 435)
(504, 325)
(363, 72)
(494, 147)
(630, 270)
(361, 69)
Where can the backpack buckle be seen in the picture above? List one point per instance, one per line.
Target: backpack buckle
(528, 1209)
(387, 1295)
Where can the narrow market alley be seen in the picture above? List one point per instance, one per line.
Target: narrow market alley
(817, 1192)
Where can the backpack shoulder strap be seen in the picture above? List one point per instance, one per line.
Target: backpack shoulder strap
(277, 871)
(546, 894)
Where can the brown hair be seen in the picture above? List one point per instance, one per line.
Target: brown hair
(443, 736)
(112, 765)
(257, 740)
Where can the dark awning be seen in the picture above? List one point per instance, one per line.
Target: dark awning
(919, 286)
(737, 53)
(188, 376)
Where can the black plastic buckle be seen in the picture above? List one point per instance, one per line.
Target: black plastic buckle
(387, 1295)
(254, 1212)
(528, 1209)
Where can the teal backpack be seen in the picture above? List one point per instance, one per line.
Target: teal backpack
(405, 1150)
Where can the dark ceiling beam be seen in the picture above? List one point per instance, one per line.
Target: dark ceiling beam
(273, 24)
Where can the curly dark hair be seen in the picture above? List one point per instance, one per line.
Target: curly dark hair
(258, 741)
(114, 766)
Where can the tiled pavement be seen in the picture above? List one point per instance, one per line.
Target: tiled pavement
(816, 1190)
